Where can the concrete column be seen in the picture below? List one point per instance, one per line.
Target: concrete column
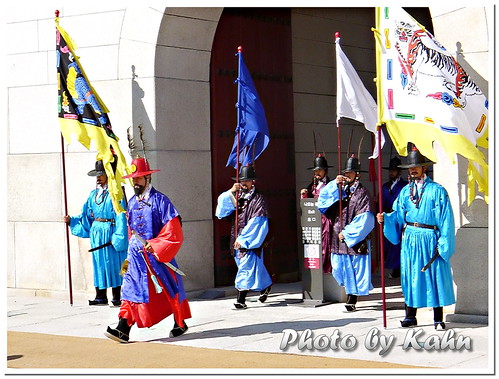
(470, 46)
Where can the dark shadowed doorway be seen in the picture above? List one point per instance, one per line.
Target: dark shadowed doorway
(265, 36)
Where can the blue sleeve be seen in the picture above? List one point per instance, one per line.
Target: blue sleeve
(80, 225)
(393, 222)
(119, 239)
(225, 206)
(445, 222)
(357, 230)
(254, 233)
(328, 196)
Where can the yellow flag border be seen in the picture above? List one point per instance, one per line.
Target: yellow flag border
(425, 144)
(86, 133)
(97, 136)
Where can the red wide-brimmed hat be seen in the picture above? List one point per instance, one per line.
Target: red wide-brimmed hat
(140, 167)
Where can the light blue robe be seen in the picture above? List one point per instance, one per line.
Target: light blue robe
(108, 260)
(352, 271)
(434, 287)
(251, 272)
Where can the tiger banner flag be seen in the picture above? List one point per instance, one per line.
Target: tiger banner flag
(83, 114)
(425, 96)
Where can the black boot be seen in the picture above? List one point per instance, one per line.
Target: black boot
(177, 330)
(116, 296)
(350, 304)
(264, 294)
(121, 333)
(241, 300)
(410, 317)
(395, 273)
(100, 297)
(438, 317)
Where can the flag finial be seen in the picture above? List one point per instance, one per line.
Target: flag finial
(57, 13)
(239, 49)
(337, 35)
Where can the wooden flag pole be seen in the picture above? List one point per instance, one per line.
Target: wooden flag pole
(63, 160)
(238, 136)
(374, 262)
(68, 249)
(340, 185)
(381, 241)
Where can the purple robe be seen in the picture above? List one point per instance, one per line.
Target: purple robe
(255, 207)
(148, 218)
(358, 203)
(351, 259)
(252, 232)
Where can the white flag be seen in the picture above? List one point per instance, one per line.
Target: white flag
(353, 100)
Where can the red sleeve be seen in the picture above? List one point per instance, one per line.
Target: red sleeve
(167, 244)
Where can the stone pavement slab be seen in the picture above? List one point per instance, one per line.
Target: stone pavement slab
(277, 325)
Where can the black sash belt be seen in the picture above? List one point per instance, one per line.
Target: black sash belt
(419, 225)
(104, 219)
(101, 246)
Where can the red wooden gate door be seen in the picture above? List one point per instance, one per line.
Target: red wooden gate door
(265, 36)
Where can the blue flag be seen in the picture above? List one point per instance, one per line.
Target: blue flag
(252, 129)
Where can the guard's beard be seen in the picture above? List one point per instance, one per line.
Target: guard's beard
(138, 189)
(414, 178)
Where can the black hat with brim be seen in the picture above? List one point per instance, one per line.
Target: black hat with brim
(395, 163)
(352, 165)
(99, 169)
(415, 159)
(320, 162)
(247, 173)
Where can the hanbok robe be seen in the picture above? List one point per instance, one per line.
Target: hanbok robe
(350, 267)
(156, 220)
(389, 194)
(106, 261)
(253, 227)
(313, 191)
(434, 287)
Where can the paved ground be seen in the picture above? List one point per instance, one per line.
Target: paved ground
(226, 340)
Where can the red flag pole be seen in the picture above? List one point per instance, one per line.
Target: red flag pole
(381, 241)
(68, 248)
(337, 35)
(236, 224)
(373, 178)
(63, 159)
(340, 185)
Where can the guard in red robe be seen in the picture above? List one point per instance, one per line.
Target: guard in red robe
(152, 285)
